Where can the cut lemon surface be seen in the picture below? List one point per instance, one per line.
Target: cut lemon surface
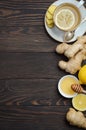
(79, 102)
(65, 19)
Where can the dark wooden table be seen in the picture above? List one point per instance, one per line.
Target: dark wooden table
(29, 74)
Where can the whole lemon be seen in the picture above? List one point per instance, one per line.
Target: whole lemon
(82, 75)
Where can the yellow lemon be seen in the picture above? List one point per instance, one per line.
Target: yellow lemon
(82, 75)
(79, 102)
(65, 19)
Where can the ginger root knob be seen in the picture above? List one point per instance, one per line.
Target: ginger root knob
(76, 118)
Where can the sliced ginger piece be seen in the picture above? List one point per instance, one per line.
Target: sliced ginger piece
(79, 102)
(49, 21)
(50, 25)
(49, 16)
(51, 9)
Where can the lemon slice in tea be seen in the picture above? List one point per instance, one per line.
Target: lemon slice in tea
(65, 19)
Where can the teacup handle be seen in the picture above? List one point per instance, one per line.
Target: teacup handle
(81, 2)
(83, 20)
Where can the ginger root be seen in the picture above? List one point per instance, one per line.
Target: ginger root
(76, 118)
(76, 53)
(74, 63)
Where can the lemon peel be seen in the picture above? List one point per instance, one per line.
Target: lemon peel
(82, 75)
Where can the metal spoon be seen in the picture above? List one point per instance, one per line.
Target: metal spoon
(70, 34)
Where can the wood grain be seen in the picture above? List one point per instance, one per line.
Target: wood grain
(30, 65)
(31, 92)
(22, 27)
(34, 118)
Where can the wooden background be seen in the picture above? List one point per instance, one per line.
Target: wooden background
(29, 74)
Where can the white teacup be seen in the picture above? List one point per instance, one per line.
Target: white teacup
(67, 17)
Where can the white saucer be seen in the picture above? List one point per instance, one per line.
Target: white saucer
(57, 34)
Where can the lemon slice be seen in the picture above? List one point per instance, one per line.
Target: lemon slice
(65, 19)
(79, 102)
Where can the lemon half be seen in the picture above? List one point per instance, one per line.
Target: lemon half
(65, 19)
(79, 102)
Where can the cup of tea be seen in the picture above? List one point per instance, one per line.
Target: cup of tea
(67, 17)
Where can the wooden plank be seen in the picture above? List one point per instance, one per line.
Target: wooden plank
(31, 92)
(22, 27)
(18, 42)
(40, 118)
(22, 13)
(30, 65)
(30, 104)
